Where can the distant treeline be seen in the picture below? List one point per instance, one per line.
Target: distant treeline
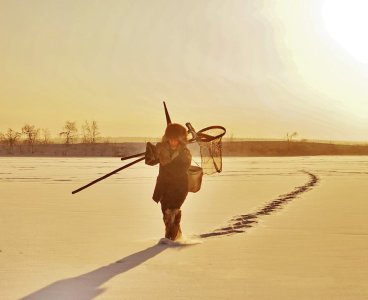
(291, 148)
(75, 150)
(229, 148)
(29, 136)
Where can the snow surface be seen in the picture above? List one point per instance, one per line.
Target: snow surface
(104, 242)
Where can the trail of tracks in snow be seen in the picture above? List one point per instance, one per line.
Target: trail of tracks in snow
(240, 223)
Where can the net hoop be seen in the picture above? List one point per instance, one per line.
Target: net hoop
(205, 138)
(209, 141)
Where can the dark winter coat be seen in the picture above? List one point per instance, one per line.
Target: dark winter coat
(172, 181)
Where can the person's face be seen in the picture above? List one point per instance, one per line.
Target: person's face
(173, 143)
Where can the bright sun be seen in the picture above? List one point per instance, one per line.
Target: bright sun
(347, 22)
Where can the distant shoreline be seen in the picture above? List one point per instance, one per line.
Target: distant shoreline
(235, 148)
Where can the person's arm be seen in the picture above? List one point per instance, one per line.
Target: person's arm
(182, 162)
(163, 154)
(151, 158)
(179, 159)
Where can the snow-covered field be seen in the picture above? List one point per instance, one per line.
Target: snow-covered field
(267, 231)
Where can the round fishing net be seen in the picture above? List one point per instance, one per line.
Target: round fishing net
(210, 143)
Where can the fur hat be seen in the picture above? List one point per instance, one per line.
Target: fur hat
(176, 131)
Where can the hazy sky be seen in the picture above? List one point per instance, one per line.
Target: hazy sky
(261, 69)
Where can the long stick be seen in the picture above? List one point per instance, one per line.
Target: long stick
(132, 156)
(168, 119)
(108, 175)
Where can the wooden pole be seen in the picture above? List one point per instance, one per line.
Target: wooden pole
(132, 156)
(168, 119)
(108, 175)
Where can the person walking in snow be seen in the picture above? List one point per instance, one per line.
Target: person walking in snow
(171, 187)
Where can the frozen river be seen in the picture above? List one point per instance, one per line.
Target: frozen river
(48, 234)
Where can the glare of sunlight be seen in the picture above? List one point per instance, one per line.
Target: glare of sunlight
(347, 23)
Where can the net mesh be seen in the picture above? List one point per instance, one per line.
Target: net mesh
(210, 143)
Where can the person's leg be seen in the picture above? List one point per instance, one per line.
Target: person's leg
(171, 216)
(176, 228)
(172, 219)
(166, 218)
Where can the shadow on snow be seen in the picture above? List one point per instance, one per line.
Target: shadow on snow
(87, 286)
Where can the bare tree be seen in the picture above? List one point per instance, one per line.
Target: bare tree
(94, 132)
(10, 138)
(45, 136)
(85, 132)
(69, 133)
(290, 136)
(31, 134)
(2, 138)
(90, 132)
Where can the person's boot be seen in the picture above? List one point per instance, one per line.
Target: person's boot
(167, 217)
(176, 228)
(172, 219)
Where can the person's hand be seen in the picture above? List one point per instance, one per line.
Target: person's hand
(151, 158)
